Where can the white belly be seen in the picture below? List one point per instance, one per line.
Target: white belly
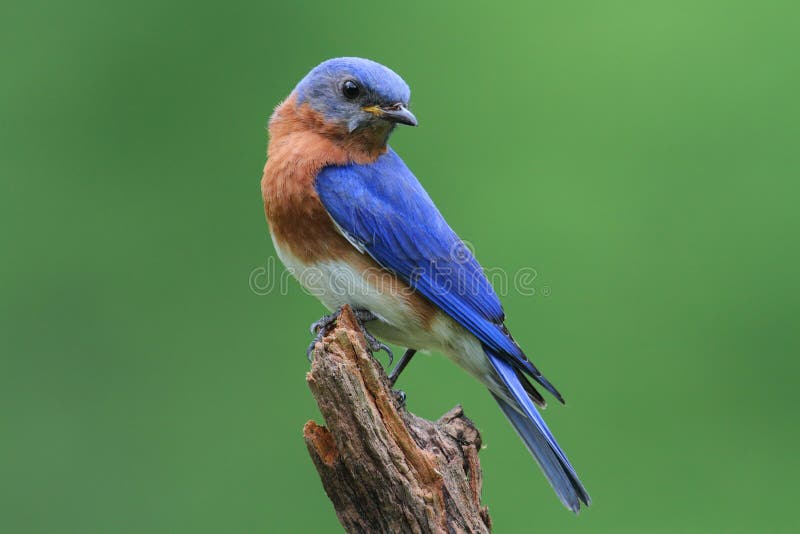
(337, 283)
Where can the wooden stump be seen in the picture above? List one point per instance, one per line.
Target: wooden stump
(384, 468)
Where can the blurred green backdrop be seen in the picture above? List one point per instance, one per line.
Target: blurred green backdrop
(642, 157)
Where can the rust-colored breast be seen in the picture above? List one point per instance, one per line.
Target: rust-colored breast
(301, 144)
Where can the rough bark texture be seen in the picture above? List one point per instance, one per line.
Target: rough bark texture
(385, 469)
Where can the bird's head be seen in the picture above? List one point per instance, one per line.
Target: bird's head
(357, 95)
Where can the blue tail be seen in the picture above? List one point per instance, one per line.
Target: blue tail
(540, 442)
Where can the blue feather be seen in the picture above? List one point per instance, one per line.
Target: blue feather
(537, 437)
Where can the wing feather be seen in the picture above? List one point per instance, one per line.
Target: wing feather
(383, 209)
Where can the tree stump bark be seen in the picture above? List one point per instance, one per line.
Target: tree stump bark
(384, 468)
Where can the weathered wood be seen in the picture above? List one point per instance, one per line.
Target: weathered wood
(384, 468)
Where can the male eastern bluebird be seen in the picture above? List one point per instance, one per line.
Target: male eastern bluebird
(352, 223)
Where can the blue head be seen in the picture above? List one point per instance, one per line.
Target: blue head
(357, 93)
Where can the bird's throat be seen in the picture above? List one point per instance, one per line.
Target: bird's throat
(363, 145)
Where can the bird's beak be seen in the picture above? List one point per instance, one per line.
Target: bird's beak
(397, 113)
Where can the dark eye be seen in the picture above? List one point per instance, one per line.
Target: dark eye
(350, 89)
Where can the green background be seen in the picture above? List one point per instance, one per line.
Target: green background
(642, 157)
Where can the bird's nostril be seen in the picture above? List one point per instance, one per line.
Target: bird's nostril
(395, 107)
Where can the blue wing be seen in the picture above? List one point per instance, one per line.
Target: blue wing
(383, 209)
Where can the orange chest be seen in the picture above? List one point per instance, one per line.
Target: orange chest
(298, 221)
(300, 146)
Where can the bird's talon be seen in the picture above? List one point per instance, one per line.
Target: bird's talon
(400, 397)
(387, 350)
(310, 349)
(324, 322)
(319, 329)
(374, 345)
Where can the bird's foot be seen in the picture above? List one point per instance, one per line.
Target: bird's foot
(321, 328)
(364, 316)
(325, 322)
(310, 349)
(400, 397)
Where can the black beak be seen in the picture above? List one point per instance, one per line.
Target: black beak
(400, 114)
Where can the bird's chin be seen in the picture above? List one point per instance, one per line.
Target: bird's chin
(367, 122)
(374, 132)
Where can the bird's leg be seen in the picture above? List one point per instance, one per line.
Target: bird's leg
(364, 316)
(399, 394)
(395, 374)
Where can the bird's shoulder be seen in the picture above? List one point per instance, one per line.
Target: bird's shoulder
(384, 196)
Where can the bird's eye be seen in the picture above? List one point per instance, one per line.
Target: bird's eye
(350, 89)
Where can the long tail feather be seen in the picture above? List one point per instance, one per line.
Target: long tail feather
(537, 437)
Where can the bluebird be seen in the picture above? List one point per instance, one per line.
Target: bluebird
(353, 224)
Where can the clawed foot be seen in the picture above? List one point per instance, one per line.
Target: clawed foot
(325, 322)
(373, 344)
(321, 328)
(400, 397)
